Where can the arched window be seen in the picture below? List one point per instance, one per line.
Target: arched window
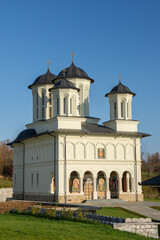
(78, 103)
(64, 105)
(37, 96)
(70, 105)
(127, 110)
(115, 110)
(74, 184)
(43, 99)
(57, 106)
(122, 109)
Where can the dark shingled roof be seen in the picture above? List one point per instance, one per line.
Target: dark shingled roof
(73, 72)
(46, 78)
(120, 88)
(151, 182)
(64, 83)
(27, 133)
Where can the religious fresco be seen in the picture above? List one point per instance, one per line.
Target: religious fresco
(100, 153)
(101, 188)
(75, 185)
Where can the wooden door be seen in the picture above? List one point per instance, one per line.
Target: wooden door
(88, 189)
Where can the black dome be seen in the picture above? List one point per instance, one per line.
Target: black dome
(27, 133)
(73, 72)
(46, 78)
(64, 83)
(120, 88)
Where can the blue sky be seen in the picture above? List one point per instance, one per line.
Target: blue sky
(108, 38)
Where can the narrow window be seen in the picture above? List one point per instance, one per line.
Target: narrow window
(37, 113)
(37, 179)
(50, 98)
(37, 99)
(64, 105)
(115, 110)
(71, 106)
(57, 106)
(79, 103)
(122, 112)
(50, 112)
(32, 179)
(43, 98)
(127, 110)
(42, 112)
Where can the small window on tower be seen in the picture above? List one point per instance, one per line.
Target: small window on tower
(64, 105)
(50, 98)
(42, 112)
(37, 99)
(115, 110)
(42, 98)
(50, 112)
(70, 105)
(57, 106)
(122, 110)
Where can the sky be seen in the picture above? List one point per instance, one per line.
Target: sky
(109, 37)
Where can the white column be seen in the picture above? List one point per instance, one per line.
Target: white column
(132, 185)
(108, 194)
(81, 186)
(120, 185)
(127, 181)
(94, 188)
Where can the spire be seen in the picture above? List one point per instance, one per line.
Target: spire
(72, 54)
(48, 62)
(120, 77)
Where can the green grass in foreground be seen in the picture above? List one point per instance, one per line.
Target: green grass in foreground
(156, 208)
(151, 200)
(16, 227)
(116, 212)
(6, 183)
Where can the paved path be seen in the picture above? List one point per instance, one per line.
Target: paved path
(138, 207)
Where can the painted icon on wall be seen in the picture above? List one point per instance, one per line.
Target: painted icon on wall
(100, 153)
(75, 186)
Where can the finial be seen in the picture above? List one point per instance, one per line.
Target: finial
(49, 62)
(72, 54)
(64, 72)
(120, 77)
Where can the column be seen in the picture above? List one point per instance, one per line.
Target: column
(94, 188)
(81, 186)
(127, 181)
(120, 185)
(108, 194)
(132, 185)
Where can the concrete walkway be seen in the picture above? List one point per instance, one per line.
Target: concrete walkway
(138, 207)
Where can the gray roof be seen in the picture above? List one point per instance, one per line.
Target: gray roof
(27, 133)
(73, 72)
(155, 181)
(46, 78)
(64, 83)
(120, 88)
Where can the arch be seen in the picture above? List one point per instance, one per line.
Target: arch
(126, 182)
(120, 151)
(129, 152)
(74, 182)
(70, 150)
(101, 185)
(114, 184)
(61, 151)
(111, 151)
(88, 185)
(80, 150)
(90, 151)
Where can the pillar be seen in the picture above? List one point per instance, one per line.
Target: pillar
(81, 186)
(127, 181)
(120, 185)
(108, 194)
(94, 188)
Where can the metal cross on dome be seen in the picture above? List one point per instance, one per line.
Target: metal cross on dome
(49, 62)
(73, 55)
(120, 77)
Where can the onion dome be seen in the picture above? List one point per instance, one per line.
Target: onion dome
(121, 89)
(64, 83)
(46, 78)
(73, 72)
(27, 133)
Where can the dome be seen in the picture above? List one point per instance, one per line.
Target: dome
(46, 78)
(73, 72)
(27, 133)
(120, 88)
(64, 83)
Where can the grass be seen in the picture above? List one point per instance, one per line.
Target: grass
(118, 212)
(151, 199)
(18, 227)
(6, 183)
(156, 208)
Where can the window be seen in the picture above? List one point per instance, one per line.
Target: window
(50, 112)
(115, 110)
(43, 98)
(37, 179)
(127, 109)
(32, 179)
(64, 105)
(71, 106)
(78, 103)
(37, 113)
(37, 99)
(57, 106)
(42, 112)
(122, 110)
(50, 98)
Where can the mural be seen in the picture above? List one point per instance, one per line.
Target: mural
(113, 185)
(100, 153)
(101, 188)
(75, 185)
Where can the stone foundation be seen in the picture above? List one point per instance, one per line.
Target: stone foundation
(131, 197)
(35, 197)
(71, 199)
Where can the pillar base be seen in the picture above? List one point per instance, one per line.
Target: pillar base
(108, 195)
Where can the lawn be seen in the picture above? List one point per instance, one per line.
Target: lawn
(16, 227)
(151, 200)
(118, 212)
(6, 183)
(156, 208)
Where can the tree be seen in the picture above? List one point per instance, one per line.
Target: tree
(6, 158)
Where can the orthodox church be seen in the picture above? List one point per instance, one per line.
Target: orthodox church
(64, 155)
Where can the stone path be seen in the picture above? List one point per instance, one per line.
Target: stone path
(5, 193)
(138, 207)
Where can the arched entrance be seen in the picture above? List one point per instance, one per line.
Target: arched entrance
(126, 182)
(113, 185)
(88, 185)
(101, 185)
(74, 186)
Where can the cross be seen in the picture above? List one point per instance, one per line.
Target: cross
(72, 54)
(49, 62)
(120, 77)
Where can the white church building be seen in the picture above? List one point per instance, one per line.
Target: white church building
(64, 155)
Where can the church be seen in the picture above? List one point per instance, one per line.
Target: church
(65, 156)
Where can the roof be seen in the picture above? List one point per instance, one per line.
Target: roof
(27, 133)
(64, 83)
(46, 78)
(73, 72)
(155, 181)
(120, 88)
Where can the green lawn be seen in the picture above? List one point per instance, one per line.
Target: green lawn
(156, 208)
(6, 183)
(151, 200)
(16, 227)
(118, 212)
